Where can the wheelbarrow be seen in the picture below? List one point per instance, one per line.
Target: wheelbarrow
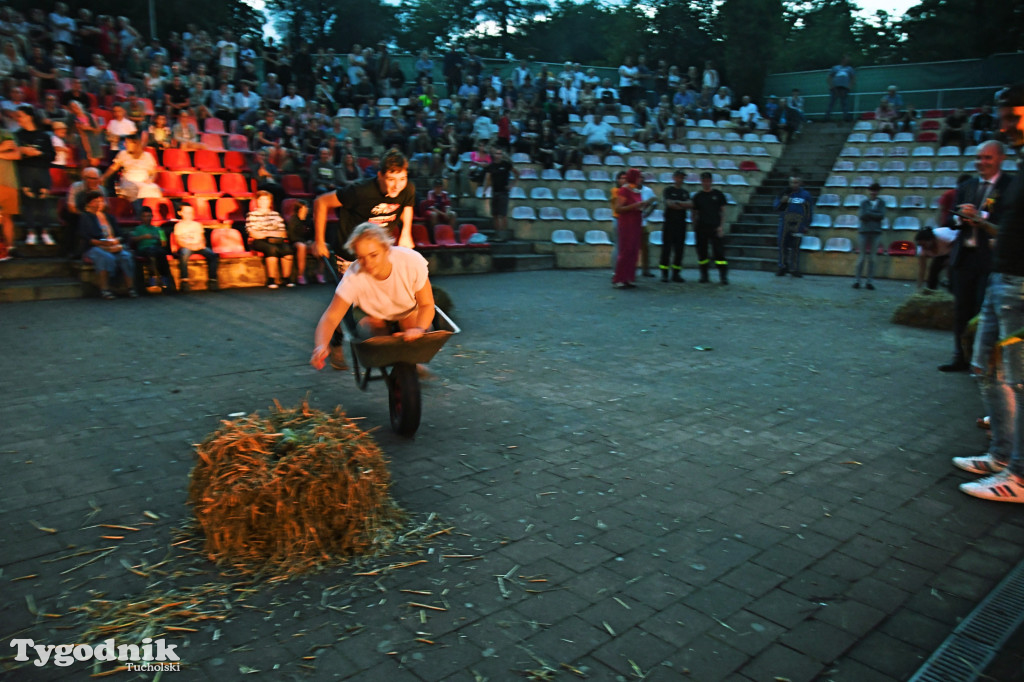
(396, 360)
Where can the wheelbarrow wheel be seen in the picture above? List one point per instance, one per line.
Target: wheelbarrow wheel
(404, 399)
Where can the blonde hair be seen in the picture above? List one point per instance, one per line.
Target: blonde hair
(369, 231)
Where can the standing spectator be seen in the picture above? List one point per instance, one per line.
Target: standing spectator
(9, 199)
(191, 238)
(673, 238)
(520, 74)
(499, 175)
(98, 232)
(841, 79)
(933, 248)
(971, 262)
(268, 235)
(628, 207)
(63, 26)
(871, 215)
(650, 198)
(227, 51)
(36, 155)
(710, 79)
(628, 82)
(795, 207)
(1002, 386)
(300, 235)
(424, 66)
(709, 223)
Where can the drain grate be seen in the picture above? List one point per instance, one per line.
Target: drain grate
(966, 653)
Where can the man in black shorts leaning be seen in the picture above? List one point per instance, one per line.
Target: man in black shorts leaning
(386, 199)
(499, 175)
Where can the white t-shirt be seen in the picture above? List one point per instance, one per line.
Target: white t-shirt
(228, 54)
(190, 235)
(122, 128)
(597, 133)
(749, 113)
(627, 76)
(296, 102)
(393, 298)
(647, 193)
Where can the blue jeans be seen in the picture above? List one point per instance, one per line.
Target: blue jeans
(1002, 384)
(211, 256)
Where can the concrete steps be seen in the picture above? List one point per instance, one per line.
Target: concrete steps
(41, 289)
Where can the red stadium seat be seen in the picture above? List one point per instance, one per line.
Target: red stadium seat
(239, 143)
(235, 185)
(208, 160)
(934, 113)
(177, 160)
(147, 106)
(230, 209)
(201, 183)
(421, 237)
(214, 125)
(235, 162)
(288, 208)
(293, 186)
(466, 231)
(930, 125)
(749, 166)
(444, 235)
(170, 184)
(163, 209)
(60, 181)
(227, 241)
(202, 207)
(122, 209)
(928, 137)
(902, 248)
(212, 142)
(867, 116)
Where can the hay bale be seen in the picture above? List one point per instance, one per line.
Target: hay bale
(292, 490)
(933, 310)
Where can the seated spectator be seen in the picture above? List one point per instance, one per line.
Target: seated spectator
(907, 120)
(703, 108)
(269, 236)
(721, 105)
(479, 160)
(185, 131)
(138, 172)
(119, 129)
(293, 100)
(483, 129)
(395, 130)
(749, 116)
(271, 91)
(597, 136)
(885, 117)
(176, 96)
(894, 100)
(323, 175)
(300, 235)
(567, 148)
(363, 92)
(983, 125)
(544, 151)
(349, 170)
(586, 100)
(954, 129)
(266, 175)
(607, 96)
(373, 168)
(794, 111)
(160, 134)
(149, 241)
(222, 102)
(269, 131)
(568, 94)
(247, 103)
(97, 230)
(191, 238)
(64, 156)
(438, 207)
(469, 90)
(452, 172)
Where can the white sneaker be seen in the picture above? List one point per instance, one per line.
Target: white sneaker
(272, 285)
(30, 240)
(980, 464)
(1001, 487)
(48, 240)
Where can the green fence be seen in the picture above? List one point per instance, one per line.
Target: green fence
(927, 85)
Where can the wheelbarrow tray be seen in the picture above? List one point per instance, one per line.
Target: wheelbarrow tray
(384, 351)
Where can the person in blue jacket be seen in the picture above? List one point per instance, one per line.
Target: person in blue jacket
(796, 208)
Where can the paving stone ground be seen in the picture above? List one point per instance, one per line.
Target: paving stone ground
(777, 505)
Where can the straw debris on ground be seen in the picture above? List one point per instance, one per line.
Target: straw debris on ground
(291, 491)
(933, 310)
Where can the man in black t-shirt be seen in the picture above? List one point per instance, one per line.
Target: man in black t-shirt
(673, 238)
(498, 176)
(176, 96)
(386, 200)
(708, 217)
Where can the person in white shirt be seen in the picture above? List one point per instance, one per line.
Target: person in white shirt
(63, 25)
(749, 115)
(597, 136)
(568, 94)
(120, 128)
(190, 236)
(391, 284)
(721, 105)
(628, 85)
(647, 195)
(293, 100)
(520, 73)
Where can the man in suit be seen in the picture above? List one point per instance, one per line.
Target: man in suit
(971, 259)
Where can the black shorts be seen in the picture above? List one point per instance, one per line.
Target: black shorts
(499, 204)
